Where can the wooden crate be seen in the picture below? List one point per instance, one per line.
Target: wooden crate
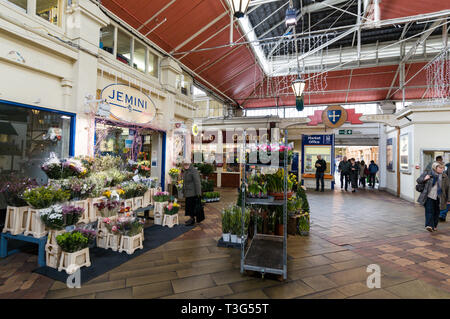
(16, 220)
(93, 211)
(52, 255)
(70, 262)
(138, 202)
(35, 227)
(170, 220)
(130, 244)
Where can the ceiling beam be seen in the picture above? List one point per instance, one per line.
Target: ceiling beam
(156, 14)
(259, 2)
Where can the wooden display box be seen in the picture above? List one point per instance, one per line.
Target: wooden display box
(170, 220)
(16, 220)
(68, 261)
(130, 244)
(138, 202)
(35, 227)
(93, 211)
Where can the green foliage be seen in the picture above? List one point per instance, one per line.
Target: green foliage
(132, 190)
(303, 223)
(45, 196)
(236, 220)
(207, 185)
(105, 163)
(72, 242)
(205, 169)
(226, 220)
(301, 193)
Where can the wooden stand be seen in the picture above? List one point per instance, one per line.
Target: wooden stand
(35, 226)
(102, 238)
(93, 211)
(130, 244)
(170, 220)
(16, 220)
(112, 241)
(129, 203)
(79, 258)
(138, 202)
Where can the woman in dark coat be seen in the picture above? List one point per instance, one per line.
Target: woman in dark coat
(192, 190)
(435, 194)
(354, 171)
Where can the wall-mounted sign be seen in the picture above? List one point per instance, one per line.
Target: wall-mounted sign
(345, 132)
(405, 152)
(390, 142)
(195, 129)
(317, 139)
(128, 104)
(335, 116)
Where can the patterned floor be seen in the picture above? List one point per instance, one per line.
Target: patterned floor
(348, 233)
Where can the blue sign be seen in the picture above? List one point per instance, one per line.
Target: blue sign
(317, 139)
(334, 115)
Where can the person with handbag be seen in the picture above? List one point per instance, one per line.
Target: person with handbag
(354, 170)
(363, 172)
(192, 190)
(434, 187)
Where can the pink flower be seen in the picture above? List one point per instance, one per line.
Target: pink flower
(169, 207)
(107, 221)
(114, 228)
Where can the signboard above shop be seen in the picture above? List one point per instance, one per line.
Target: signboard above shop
(129, 104)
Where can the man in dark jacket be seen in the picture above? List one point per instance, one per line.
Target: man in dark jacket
(321, 167)
(344, 169)
(192, 190)
(373, 169)
(354, 169)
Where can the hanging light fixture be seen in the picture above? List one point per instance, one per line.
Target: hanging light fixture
(298, 86)
(291, 17)
(239, 7)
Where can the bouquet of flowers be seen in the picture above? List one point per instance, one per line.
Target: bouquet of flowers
(144, 170)
(45, 196)
(132, 190)
(130, 226)
(87, 162)
(179, 185)
(52, 167)
(79, 188)
(171, 209)
(107, 162)
(142, 156)
(72, 167)
(174, 173)
(111, 226)
(58, 217)
(12, 187)
(125, 211)
(114, 195)
(88, 233)
(161, 197)
(108, 208)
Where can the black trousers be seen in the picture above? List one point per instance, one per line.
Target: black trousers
(372, 179)
(344, 177)
(362, 181)
(432, 211)
(191, 203)
(320, 177)
(354, 180)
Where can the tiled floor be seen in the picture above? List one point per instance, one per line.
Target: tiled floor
(348, 233)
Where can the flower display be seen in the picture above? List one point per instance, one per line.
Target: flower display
(179, 184)
(45, 196)
(58, 217)
(172, 209)
(161, 197)
(126, 226)
(72, 167)
(79, 188)
(114, 195)
(132, 189)
(72, 242)
(88, 233)
(52, 167)
(174, 173)
(108, 208)
(13, 187)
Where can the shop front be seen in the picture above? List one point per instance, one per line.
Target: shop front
(28, 135)
(126, 130)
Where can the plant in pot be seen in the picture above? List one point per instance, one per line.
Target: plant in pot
(275, 185)
(75, 251)
(235, 225)
(279, 230)
(303, 224)
(226, 224)
(108, 208)
(89, 233)
(52, 167)
(161, 197)
(271, 223)
(171, 209)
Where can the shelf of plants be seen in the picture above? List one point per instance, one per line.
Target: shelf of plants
(266, 253)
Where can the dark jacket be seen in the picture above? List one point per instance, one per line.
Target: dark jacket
(354, 170)
(344, 167)
(192, 186)
(373, 168)
(429, 184)
(323, 166)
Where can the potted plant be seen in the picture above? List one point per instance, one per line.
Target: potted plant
(235, 225)
(171, 215)
(75, 251)
(52, 167)
(303, 224)
(108, 208)
(275, 185)
(279, 230)
(89, 233)
(12, 188)
(40, 198)
(226, 224)
(131, 230)
(174, 173)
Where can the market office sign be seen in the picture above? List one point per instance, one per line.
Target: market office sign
(128, 104)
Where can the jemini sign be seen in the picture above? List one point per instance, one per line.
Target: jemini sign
(128, 104)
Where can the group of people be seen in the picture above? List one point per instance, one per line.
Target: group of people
(434, 187)
(354, 172)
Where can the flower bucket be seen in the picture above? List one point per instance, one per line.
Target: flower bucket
(130, 244)
(170, 220)
(233, 238)
(226, 237)
(71, 262)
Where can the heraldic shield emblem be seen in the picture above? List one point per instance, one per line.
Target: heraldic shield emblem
(334, 116)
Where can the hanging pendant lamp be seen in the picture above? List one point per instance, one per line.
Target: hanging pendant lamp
(239, 7)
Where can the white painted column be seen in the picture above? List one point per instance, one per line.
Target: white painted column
(382, 157)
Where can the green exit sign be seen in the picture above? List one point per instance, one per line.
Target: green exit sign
(345, 132)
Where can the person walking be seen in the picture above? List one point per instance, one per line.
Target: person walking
(363, 172)
(321, 167)
(443, 213)
(192, 190)
(354, 169)
(373, 170)
(344, 170)
(435, 194)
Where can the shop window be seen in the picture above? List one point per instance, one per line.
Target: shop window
(50, 10)
(27, 137)
(107, 39)
(153, 64)
(22, 4)
(139, 56)
(123, 47)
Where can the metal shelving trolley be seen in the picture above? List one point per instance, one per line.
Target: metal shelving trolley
(264, 253)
